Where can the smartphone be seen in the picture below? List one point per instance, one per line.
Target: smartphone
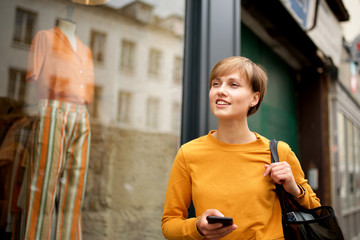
(226, 221)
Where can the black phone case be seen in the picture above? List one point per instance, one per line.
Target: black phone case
(226, 221)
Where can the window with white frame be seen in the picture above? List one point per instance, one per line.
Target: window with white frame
(24, 26)
(127, 59)
(97, 43)
(93, 107)
(177, 71)
(152, 112)
(154, 62)
(17, 85)
(175, 116)
(124, 106)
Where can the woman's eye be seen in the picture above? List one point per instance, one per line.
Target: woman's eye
(216, 84)
(234, 85)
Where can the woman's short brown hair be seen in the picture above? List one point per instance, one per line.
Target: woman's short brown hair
(254, 73)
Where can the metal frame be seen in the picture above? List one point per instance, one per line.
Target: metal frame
(212, 32)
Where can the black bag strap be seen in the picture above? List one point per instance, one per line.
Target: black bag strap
(279, 188)
(283, 195)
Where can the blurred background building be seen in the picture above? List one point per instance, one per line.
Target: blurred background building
(152, 59)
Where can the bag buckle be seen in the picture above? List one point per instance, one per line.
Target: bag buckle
(291, 216)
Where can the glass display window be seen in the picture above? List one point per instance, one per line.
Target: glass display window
(90, 122)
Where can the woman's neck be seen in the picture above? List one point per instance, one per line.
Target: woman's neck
(234, 132)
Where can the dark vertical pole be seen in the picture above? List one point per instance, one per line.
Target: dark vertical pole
(212, 32)
(191, 85)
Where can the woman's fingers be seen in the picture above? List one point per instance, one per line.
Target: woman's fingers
(281, 173)
(214, 230)
(282, 169)
(220, 233)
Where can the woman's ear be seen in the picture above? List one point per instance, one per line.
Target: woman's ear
(256, 98)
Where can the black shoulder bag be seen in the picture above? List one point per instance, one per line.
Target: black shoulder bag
(300, 223)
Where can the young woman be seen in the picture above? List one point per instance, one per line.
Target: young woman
(229, 172)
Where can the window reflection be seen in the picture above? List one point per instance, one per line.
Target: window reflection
(349, 162)
(124, 104)
(177, 70)
(127, 56)
(89, 117)
(98, 44)
(154, 62)
(357, 166)
(93, 107)
(342, 159)
(152, 107)
(24, 26)
(17, 84)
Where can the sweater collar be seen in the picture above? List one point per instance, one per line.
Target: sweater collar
(260, 142)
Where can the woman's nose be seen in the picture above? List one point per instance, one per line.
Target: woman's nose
(222, 89)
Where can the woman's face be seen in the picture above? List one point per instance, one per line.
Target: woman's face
(231, 96)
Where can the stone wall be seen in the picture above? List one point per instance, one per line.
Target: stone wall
(126, 183)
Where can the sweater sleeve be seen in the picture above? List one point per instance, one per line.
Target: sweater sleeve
(175, 224)
(308, 198)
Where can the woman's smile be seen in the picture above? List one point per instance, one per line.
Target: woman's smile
(222, 103)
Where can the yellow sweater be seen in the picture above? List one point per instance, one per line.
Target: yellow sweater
(230, 178)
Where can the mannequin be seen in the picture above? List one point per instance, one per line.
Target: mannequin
(62, 67)
(68, 28)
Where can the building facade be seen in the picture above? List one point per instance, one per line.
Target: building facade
(301, 46)
(344, 99)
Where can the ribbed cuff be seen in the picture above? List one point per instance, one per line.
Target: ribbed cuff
(302, 189)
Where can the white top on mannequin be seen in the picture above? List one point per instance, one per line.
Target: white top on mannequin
(68, 28)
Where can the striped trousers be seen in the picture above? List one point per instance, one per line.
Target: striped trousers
(57, 171)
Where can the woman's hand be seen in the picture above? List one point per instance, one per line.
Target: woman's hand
(281, 173)
(213, 231)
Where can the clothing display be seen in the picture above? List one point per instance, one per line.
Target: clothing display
(56, 174)
(58, 170)
(60, 72)
(229, 178)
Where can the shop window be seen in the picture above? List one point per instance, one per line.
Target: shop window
(349, 162)
(93, 107)
(127, 60)
(154, 62)
(342, 159)
(135, 118)
(357, 163)
(177, 72)
(24, 26)
(124, 105)
(17, 84)
(152, 112)
(97, 44)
